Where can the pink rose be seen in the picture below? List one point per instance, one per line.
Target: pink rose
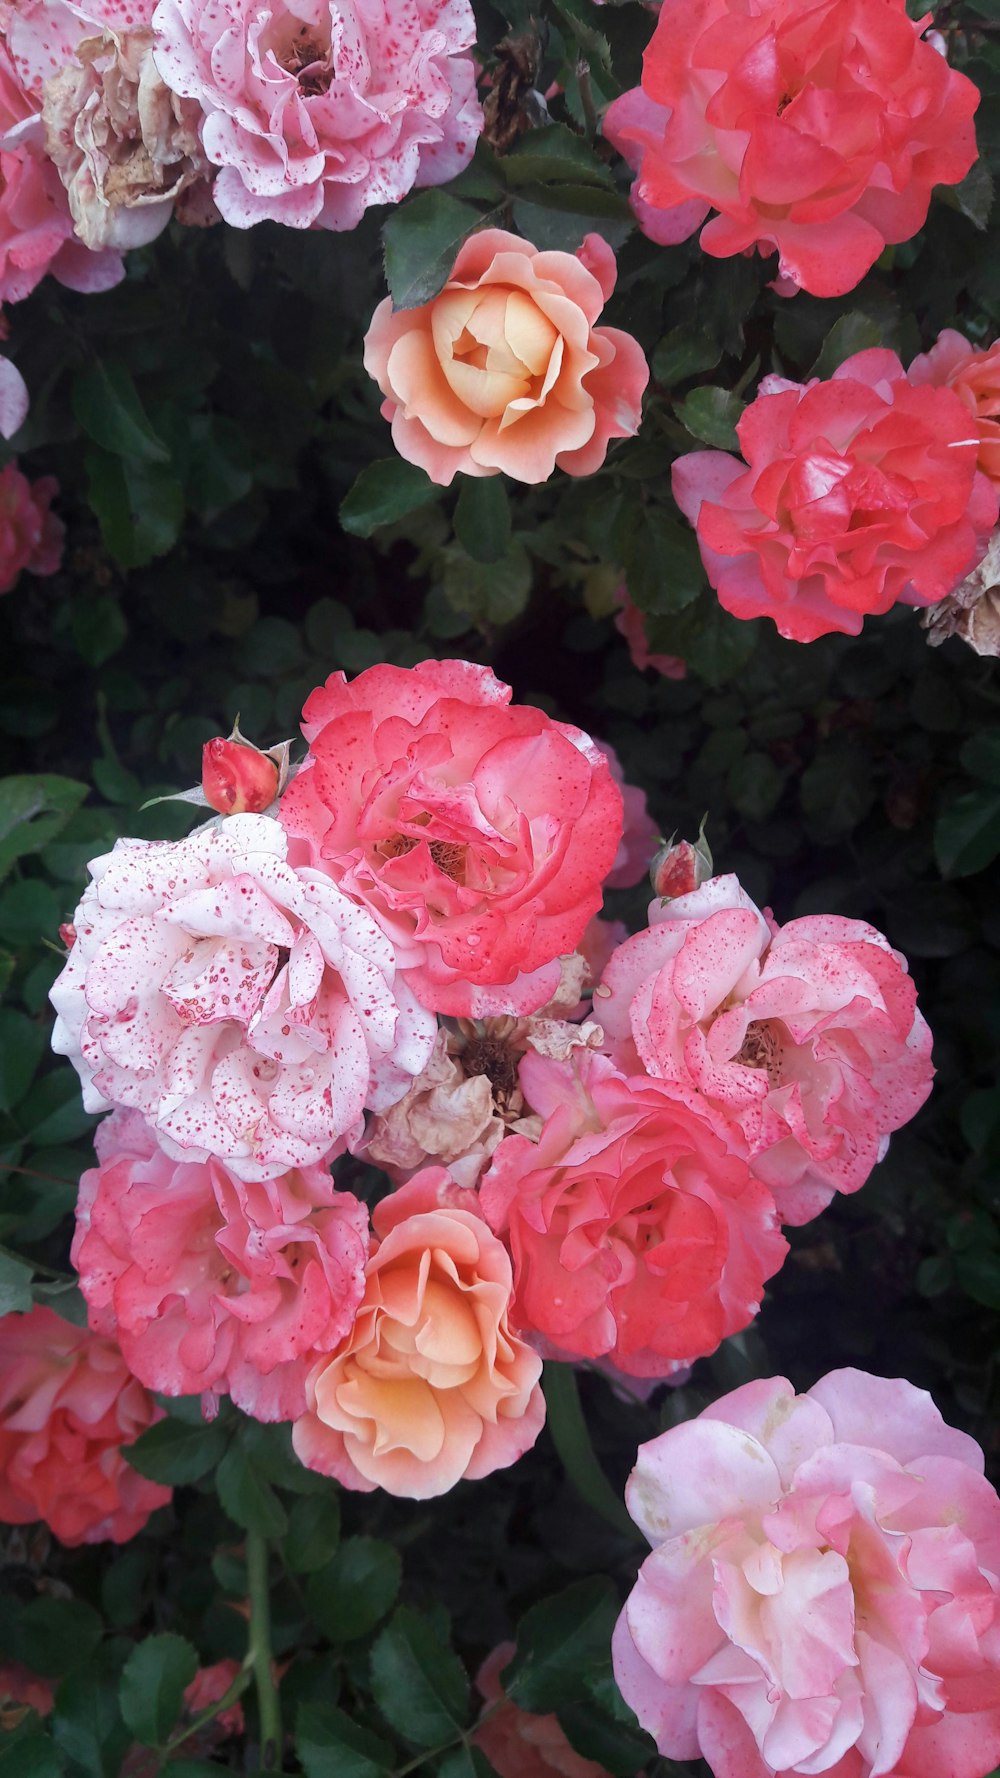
(630, 623)
(807, 1036)
(212, 1284)
(814, 128)
(314, 114)
(68, 1409)
(477, 832)
(31, 536)
(638, 842)
(505, 368)
(636, 1232)
(952, 363)
(517, 1743)
(248, 1010)
(822, 1593)
(856, 493)
(430, 1386)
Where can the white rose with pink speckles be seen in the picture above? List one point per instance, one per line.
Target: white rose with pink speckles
(248, 1010)
(316, 109)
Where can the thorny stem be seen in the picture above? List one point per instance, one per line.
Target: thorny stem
(259, 1652)
(229, 1696)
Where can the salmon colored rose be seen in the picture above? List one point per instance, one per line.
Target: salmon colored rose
(855, 493)
(505, 369)
(68, 1410)
(953, 363)
(431, 1386)
(517, 1743)
(814, 128)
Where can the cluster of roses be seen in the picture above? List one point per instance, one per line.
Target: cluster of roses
(388, 957)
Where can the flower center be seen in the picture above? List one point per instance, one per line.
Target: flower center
(761, 1048)
(448, 855)
(492, 1057)
(305, 56)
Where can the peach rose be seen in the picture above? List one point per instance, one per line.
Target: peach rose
(430, 1386)
(953, 363)
(505, 369)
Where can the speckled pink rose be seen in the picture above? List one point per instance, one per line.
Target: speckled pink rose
(212, 1284)
(249, 1011)
(822, 1595)
(806, 1036)
(312, 112)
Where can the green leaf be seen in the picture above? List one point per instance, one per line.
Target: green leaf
(563, 1646)
(22, 1045)
(175, 1453)
(421, 240)
(28, 1753)
(618, 1747)
(356, 1589)
(980, 756)
(568, 1428)
(755, 785)
(57, 1635)
(15, 1284)
(86, 1722)
(313, 1532)
(710, 414)
(152, 1687)
(99, 627)
(715, 645)
(554, 155)
(489, 593)
(330, 1745)
(138, 505)
(33, 810)
(967, 833)
(466, 1762)
(593, 43)
(383, 492)
(684, 352)
(973, 197)
(854, 332)
(663, 567)
(108, 408)
(248, 1499)
(482, 518)
(417, 1682)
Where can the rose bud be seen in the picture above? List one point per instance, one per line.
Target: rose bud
(237, 778)
(680, 868)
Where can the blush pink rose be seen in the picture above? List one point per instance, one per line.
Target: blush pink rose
(813, 128)
(855, 493)
(640, 835)
(505, 369)
(822, 1592)
(517, 1743)
(212, 1284)
(952, 363)
(807, 1036)
(31, 536)
(630, 623)
(314, 113)
(68, 1410)
(478, 832)
(430, 1386)
(637, 1232)
(248, 1010)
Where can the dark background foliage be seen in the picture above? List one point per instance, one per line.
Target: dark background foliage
(237, 529)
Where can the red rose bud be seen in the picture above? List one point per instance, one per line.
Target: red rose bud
(237, 779)
(679, 868)
(67, 932)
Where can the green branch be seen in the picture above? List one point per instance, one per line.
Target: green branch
(259, 1655)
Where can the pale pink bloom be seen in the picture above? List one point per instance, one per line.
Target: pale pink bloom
(14, 400)
(313, 113)
(68, 1409)
(822, 1593)
(505, 369)
(212, 1284)
(630, 623)
(517, 1743)
(478, 832)
(31, 536)
(250, 1011)
(639, 839)
(431, 1386)
(636, 1230)
(806, 1036)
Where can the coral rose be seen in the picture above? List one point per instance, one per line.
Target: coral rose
(856, 493)
(211, 1284)
(637, 1233)
(505, 368)
(477, 832)
(68, 1409)
(807, 1036)
(952, 363)
(431, 1386)
(517, 1743)
(814, 128)
(31, 536)
(314, 113)
(248, 1010)
(822, 1595)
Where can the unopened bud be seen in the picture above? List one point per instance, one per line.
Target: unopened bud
(681, 866)
(237, 778)
(67, 932)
